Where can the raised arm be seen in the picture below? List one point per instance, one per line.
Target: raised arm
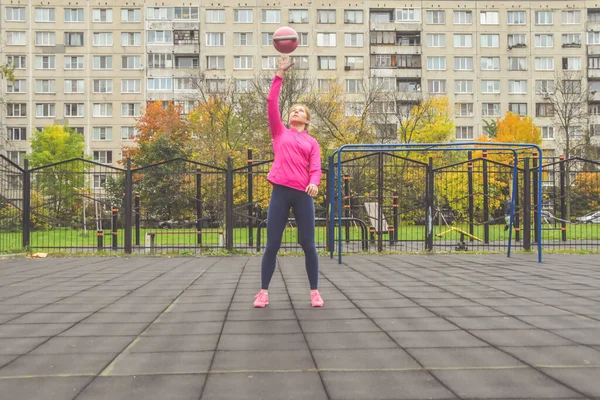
(273, 112)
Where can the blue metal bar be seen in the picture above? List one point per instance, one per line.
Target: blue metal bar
(512, 203)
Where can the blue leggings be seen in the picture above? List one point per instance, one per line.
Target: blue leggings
(282, 199)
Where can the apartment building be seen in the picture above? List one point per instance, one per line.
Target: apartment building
(92, 65)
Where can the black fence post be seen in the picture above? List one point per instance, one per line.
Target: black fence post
(199, 205)
(347, 206)
(486, 199)
(330, 196)
(250, 201)
(380, 202)
(26, 218)
(429, 206)
(100, 236)
(396, 218)
(535, 195)
(136, 210)
(128, 207)
(471, 195)
(526, 205)
(229, 205)
(517, 220)
(563, 200)
(115, 231)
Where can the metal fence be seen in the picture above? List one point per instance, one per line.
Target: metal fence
(184, 206)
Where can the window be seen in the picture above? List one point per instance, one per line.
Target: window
(571, 16)
(16, 133)
(44, 15)
(326, 39)
(102, 15)
(102, 156)
(16, 86)
(76, 129)
(594, 108)
(302, 39)
(16, 110)
(381, 16)
(131, 62)
(215, 39)
(73, 109)
(128, 133)
(571, 86)
(353, 39)
(242, 62)
(45, 110)
(45, 62)
(488, 40)
(463, 86)
(131, 85)
(300, 62)
(131, 109)
(437, 85)
(242, 39)
(17, 157)
(571, 63)
(543, 86)
(354, 85)
(571, 40)
(463, 40)
(544, 40)
(186, 13)
(464, 133)
(131, 39)
(408, 15)
(215, 85)
(464, 109)
(326, 62)
(383, 38)
(354, 109)
(16, 62)
(516, 18)
(547, 132)
(490, 86)
(326, 16)
(45, 86)
(517, 86)
(298, 17)
(436, 40)
(102, 133)
(544, 17)
(74, 39)
(73, 62)
(45, 39)
(384, 107)
(594, 62)
(186, 62)
(381, 61)
(242, 85)
(161, 13)
(518, 108)
(102, 62)
(242, 16)
(103, 85)
(215, 16)
(160, 84)
(490, 63)
(490, 110)
(103, 39)
(15, 14)
(158, 37)
(160, 60)
(385, 84)
(102, 110)
(463, 17)
(353, 16)
(73, 14)
(519, 40)
(544, 64)
(544, 110)
(436, 63)
(463, 63)
(215, 62)
(15, 38)
(74, 85)
(354, 62)
(405, 86)
(184, 83)
(271, 16)
(489, 17)
(436, 17)
(266, 39)
(130, 15)
(517, 63)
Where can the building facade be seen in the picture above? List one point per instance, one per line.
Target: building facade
(92, 65)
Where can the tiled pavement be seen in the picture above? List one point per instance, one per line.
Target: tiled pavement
(393, 327)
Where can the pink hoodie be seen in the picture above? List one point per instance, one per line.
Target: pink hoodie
(297, 154)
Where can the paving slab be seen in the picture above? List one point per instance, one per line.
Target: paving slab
(155, 387)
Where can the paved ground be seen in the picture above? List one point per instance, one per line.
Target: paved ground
(393, 327)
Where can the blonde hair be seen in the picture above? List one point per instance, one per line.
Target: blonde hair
(306, 111)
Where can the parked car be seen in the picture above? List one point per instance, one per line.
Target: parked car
(591, 218)
(548, 217)
(172, 223)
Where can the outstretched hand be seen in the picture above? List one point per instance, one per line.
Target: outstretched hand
(312, 190)
(285, 63)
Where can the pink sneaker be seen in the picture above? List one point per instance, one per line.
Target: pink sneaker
(315, 299)
(262, 299)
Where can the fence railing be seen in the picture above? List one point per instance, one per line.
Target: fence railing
(185, 206)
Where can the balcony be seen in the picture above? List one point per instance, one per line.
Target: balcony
(593, 73)
(387, 72)
(393, 49)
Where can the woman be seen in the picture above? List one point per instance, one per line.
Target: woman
(295, 176)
